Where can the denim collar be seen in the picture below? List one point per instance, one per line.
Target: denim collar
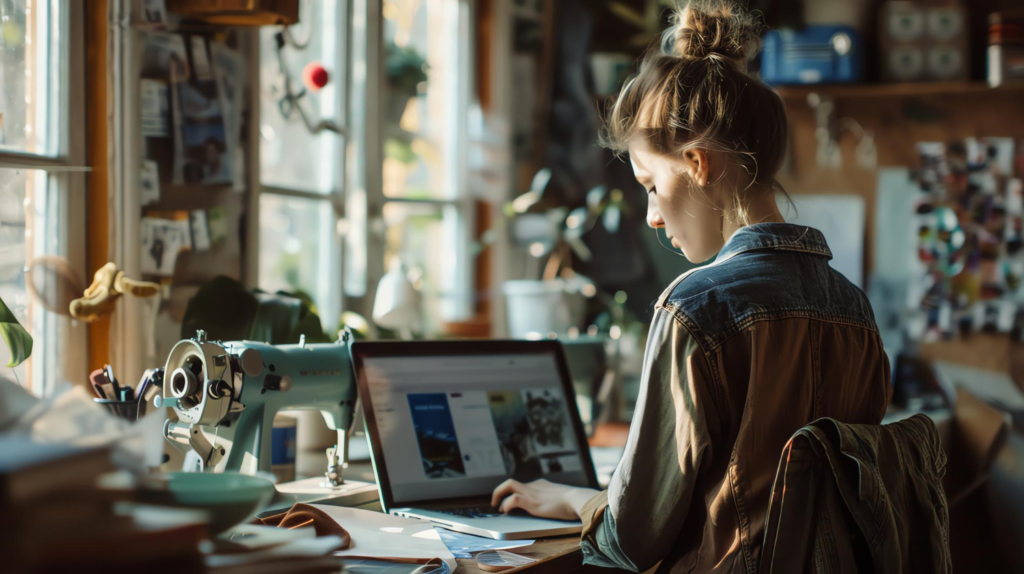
(780, 236)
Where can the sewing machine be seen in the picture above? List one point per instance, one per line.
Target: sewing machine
(226, 394)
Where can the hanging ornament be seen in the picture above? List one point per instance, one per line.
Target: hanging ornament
(314, 76)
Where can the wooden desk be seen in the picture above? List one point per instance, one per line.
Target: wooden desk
(553, 556)
(561, 554)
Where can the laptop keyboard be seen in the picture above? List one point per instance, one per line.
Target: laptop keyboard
(473, 512)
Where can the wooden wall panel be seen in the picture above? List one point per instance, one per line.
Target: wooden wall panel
(97, 217)
(898, 122)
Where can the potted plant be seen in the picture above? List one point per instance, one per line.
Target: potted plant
(406, 69)
(551, 236)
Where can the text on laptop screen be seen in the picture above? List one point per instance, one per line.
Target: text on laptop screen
(457, 426)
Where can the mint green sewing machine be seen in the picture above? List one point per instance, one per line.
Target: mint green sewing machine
(225, 395)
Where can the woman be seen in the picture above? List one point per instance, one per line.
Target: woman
(742, 352)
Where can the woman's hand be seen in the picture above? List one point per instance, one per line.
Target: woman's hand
(542, 499)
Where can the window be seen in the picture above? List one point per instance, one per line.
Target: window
(301, 172)
(40, 185)
(414, 209)
(425, 113)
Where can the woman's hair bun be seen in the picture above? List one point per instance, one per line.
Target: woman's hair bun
(713, 28)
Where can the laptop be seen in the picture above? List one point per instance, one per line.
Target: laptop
(449, 421)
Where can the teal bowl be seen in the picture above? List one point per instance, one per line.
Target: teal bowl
(229, 498)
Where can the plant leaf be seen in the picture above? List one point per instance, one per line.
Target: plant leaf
(17, 338)
(223, 308)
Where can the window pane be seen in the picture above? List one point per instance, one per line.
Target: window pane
(28, 66)
(424, 108)
(291, 156)
(29, 228)
(296, 236)
(423, 237)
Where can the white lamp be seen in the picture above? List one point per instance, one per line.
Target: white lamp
(396, 305)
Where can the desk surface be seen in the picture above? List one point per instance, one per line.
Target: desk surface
(553, 555)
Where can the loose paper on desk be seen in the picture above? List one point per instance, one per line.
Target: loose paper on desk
(992, 386)
(464, 545)
(69, 416)
(379, 535)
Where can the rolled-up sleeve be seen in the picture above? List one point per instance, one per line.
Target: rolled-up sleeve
(635, 523)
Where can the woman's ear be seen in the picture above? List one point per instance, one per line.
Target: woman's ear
(697, 164)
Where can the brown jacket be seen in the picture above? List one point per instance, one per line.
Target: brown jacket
(741, 354)
(859, 498)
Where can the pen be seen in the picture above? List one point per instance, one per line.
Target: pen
(97, 380)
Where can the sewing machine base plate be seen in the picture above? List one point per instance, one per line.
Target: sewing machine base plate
(313, 491)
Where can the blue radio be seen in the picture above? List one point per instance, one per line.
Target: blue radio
(819, 54)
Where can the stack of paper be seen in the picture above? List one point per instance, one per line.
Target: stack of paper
(379, 535)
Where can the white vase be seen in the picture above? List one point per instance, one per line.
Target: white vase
(538, 308)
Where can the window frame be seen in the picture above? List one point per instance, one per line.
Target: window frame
(63, 358)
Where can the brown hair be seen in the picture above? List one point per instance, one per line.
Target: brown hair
(694, 90)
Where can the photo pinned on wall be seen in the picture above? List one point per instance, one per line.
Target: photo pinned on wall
(161, 53)
(200, 230)
(969, 262)
(200, 149)
(229, 66)
(153, 14)
(163, 237)
(435, 434)
(154, 108)
(217, 219)
(149, 182)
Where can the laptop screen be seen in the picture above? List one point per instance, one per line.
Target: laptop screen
(452, 426)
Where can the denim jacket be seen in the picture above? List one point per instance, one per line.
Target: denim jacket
(741, 354)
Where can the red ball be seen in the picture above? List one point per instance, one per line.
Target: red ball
(315, 76)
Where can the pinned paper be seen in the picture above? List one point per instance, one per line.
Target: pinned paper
(200, 230)
(217, 220)
(149, 182)
(154, 13)
(162, 241)
(200, 59)
(154, 108)
(200, 140)
(229, 67)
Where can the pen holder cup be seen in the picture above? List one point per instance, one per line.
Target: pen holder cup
(128, 410)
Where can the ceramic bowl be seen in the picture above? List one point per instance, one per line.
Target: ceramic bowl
(229, 498)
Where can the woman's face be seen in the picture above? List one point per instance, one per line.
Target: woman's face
(691, 218)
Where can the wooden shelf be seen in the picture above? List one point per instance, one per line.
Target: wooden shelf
(905, 90)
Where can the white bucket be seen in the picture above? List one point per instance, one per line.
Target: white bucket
(537, 308)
